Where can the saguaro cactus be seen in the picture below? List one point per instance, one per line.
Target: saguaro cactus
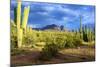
(15, 15)
(25, 18)
(88, 35)
(85, 33)
(81, 27)
(21, 26)
(18, 23)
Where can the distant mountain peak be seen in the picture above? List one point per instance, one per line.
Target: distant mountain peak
(52, 27)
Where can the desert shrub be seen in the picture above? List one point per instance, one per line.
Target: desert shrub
(29, 39)
(49, 37)
(41, 36)
(69, 42)
(73, 40)
(77, 42)
(60, 41)
(13, 36)
(50, 50)
(13, 41)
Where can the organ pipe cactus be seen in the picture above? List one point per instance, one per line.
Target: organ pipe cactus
(88, 35)
(21, 26)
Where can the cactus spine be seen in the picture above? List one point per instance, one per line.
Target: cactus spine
(20, 27)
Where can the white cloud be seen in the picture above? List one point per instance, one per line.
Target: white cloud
(69, 11)
(54, 8)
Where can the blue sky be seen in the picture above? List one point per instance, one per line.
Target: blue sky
(42, 14)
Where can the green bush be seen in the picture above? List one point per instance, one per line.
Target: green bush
(69, 42)
(13, 36)
(77, 42)
(60, 41)
(50, 50)
(13, 41)
(58, 38)
(29, 39)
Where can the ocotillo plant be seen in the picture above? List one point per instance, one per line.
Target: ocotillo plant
(21, 26)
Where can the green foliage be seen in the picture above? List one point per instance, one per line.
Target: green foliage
(69, 42)
(50, 50)
(13, 41)
(15, 15)
(77, 42)
(60, 41)
(81, 33)
(29, 39)
(13, 36)
(60, 38)
(40, 37)
(88, 35)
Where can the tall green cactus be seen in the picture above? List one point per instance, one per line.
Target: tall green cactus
(88, 34)
(81, 31)
(18, 23)
(85, 34)
(15, 15)
(22, 27)
(25, 18)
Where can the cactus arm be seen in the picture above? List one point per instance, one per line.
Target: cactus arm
(25, 17)
(18, 15)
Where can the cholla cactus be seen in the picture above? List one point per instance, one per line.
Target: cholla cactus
(20, 27)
